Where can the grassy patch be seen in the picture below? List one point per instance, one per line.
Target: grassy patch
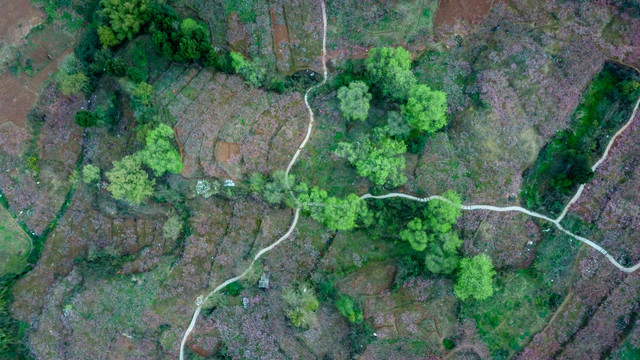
(566, 161)
(15, 245)
(517, 310)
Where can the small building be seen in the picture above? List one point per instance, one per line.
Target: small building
(263, 283)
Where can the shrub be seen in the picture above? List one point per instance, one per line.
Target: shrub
(142, 94)
(347, 308)
(251, 73)
(301, 305)
(475, 278)
(90, 173)
(172, 228)
(128, 181)
(73, 83)
(86, 118)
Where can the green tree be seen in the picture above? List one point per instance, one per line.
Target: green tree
(390, 70)
(275, 190)
(107, 37)
(440, 215)
(73, 83)
(142, 94)
(159, 153)
(442, 256)
(126, 17)
(252, 74)
(342, 214)
(415, 234)
(90, 173)
(426, 109)
(172, 228)
(354, 100)
(86, 118)
(381, 160)
(347, 308)
(128, 181)
(475, 278)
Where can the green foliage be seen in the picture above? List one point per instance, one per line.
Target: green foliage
(117, 67)
(32, 163)
(389, 69)
(86, 118)
(71, 84)
(347, 308)
(415, 234)
(565, 162)
(159, 153)
(397, 125)
(252, 74)
(257, 182)
(275, 190)
(128, 181)
(335, 213)
(142, 94)
(426, 109)
(354, 100)
(107, 37)
(126, 18)
(172, 228)
(475, 278)
(90, 174)
(302, 304)
(136, 75)
(379, 159)
(435, 235)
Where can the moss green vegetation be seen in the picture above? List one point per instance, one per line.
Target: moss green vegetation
(519, 308)
(15, 245)
(127, 180)
(348, 308)
(159, 153)
(475, 278)
(302, 304)
(172, 228)
(354, 100)
(86, 118)
(566, 161)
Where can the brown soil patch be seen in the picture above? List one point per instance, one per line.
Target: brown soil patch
(280, 34)
(225, 150)
(18, 18)
(15, 101)
(473, 11)
(22, 92)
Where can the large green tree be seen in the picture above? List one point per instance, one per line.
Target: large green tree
(354, 100)
(381, 159)
(426, 109)
(128, 181)
(475, 278)
(390, 70)
(159, 153)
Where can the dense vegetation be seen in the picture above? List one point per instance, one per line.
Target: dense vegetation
(565, 162)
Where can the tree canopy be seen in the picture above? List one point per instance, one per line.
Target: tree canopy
(90, 173)
(381, 159)
(159, 153)
(86, 118)
(354, 100)
(252, 74)
(475, 278)
(426, 109)
(126, 18)
(390, 70)
(128, 181)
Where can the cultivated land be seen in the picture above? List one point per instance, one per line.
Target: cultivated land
(540, 143)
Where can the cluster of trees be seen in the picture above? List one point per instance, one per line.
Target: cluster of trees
(130, 182)
(417, 111)
(336, 213)
(434, 234)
